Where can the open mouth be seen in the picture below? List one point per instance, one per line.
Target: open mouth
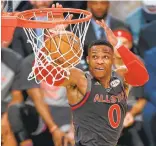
(99, 69)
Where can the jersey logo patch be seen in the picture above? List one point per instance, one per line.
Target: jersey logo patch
(97, 83)
(115, 83)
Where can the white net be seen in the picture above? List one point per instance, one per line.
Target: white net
(56, 49)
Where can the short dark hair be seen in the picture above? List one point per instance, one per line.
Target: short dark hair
(100, 42)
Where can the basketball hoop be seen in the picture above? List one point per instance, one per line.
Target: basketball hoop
(54, 27)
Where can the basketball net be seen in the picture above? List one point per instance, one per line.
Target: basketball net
(46, 68)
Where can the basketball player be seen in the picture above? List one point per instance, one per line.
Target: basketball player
(98, 98)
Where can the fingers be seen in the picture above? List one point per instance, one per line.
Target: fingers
(53, 6)
(68, 141)
(57, 5)
(102, 23)
(70, 138)
(69, 17)
(65, 142)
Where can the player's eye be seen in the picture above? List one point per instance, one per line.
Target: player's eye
(94, 57)
(106, 57)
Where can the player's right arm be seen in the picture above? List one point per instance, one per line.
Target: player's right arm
(76, 78)
(136, 74)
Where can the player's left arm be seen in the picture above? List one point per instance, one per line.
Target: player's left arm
(136, 74)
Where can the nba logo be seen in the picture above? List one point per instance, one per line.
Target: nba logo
(115, 83)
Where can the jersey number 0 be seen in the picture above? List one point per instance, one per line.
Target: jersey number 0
(114, 108)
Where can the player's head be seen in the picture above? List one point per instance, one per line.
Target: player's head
(125, 37)
(41, 3)
(100, 58)
(98, 8)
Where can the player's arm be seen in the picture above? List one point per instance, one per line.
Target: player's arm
(76, 78)
(136, 74)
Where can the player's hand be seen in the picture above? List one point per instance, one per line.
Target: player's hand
(109, 34)
(69, 17)
(61, 17)
(121, 70)
(60, 138)
(129, 120)
(70, 138)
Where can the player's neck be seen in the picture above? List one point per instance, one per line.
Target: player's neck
(105, 81)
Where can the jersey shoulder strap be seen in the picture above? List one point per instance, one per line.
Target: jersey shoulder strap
(89, 78)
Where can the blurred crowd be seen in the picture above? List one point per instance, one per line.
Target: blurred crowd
(33, 108)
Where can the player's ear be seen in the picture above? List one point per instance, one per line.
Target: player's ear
(87, 59)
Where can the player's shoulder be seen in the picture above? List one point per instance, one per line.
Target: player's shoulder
(75, 75)
(76, 71)
(116, 80)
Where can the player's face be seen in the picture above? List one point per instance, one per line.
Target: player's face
(98, 8)
(100, 60)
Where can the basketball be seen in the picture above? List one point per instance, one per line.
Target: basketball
(64, 49)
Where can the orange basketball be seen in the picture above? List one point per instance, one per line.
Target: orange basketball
(64, 48)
